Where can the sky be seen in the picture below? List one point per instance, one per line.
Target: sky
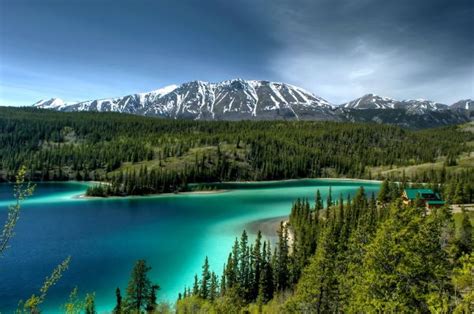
(337, 49)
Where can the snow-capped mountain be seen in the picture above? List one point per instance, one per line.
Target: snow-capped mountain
(228, 100)
(418, 113)
(53, 103)
(263, 100)
(420, 106)
(371, 101)
(466, 104)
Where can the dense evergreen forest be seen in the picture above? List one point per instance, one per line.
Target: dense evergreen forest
(360, 255)
(139, 155)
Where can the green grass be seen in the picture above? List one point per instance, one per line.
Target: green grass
(233, 154)
(468, 127)
(465, 161)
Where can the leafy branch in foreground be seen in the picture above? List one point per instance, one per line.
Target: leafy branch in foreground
(32, 304)
(21, 191)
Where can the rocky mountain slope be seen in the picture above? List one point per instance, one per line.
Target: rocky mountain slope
(466, 104)
(263, 100)
(229, 100)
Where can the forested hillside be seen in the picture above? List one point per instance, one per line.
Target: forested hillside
(141, 155)
(360, 255)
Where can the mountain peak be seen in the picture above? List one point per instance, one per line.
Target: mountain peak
(370, 101)
(465, 104)
(231, 99)
(53, 103)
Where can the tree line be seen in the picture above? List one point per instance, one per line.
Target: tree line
(114, 148)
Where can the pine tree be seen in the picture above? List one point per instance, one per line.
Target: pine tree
(205, 280)
(196, 286)
(244, 266)
(118, 306)
(139, 287)
(401, 263)
(256, 266)
(213, 287)
(329, 199)
(282, 259)
(266, 287)
(319, 202)
(151, 302)
(384, 193)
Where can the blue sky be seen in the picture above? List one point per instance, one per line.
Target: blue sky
(338, 49)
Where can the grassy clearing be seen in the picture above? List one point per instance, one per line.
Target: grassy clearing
(465, 161)
(469, 127)
(189, 158)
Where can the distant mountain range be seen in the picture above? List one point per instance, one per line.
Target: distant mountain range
(263, 100)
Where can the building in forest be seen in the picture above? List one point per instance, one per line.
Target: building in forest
(427, 196)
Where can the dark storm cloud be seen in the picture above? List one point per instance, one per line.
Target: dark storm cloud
(403, 49)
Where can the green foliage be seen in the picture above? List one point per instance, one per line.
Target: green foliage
(141, 293)
(464, 237)
(34, 302)
(463, 282)
(21, 191)
(118, 309)
(74, 305)
(89, 304)
(360, 255)
(140, 155)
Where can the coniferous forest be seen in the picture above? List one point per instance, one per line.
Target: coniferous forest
(367, 254)
(139, 155)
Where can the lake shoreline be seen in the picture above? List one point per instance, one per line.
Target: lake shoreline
(86, 197)
(267, 226)
(217, 191)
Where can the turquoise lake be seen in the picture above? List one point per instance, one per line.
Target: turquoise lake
(105, 237)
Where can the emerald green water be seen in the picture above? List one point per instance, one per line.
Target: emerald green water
(105, 237)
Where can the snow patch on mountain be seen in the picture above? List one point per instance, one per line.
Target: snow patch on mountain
(53, 103)
(231, 99)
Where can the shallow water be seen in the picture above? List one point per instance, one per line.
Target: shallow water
(105, 237)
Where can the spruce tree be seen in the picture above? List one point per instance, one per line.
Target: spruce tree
(151, 302)
(118, 306)
(319, 202)
(196, 286)
(256, 266)
(213, 287)
(139, 287)
(384, 193)
(244, 266)
(205, 280)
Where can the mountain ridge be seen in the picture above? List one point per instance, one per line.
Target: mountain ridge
(239, 99)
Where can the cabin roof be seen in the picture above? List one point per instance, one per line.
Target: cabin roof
(412, 193)
(426, 194)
